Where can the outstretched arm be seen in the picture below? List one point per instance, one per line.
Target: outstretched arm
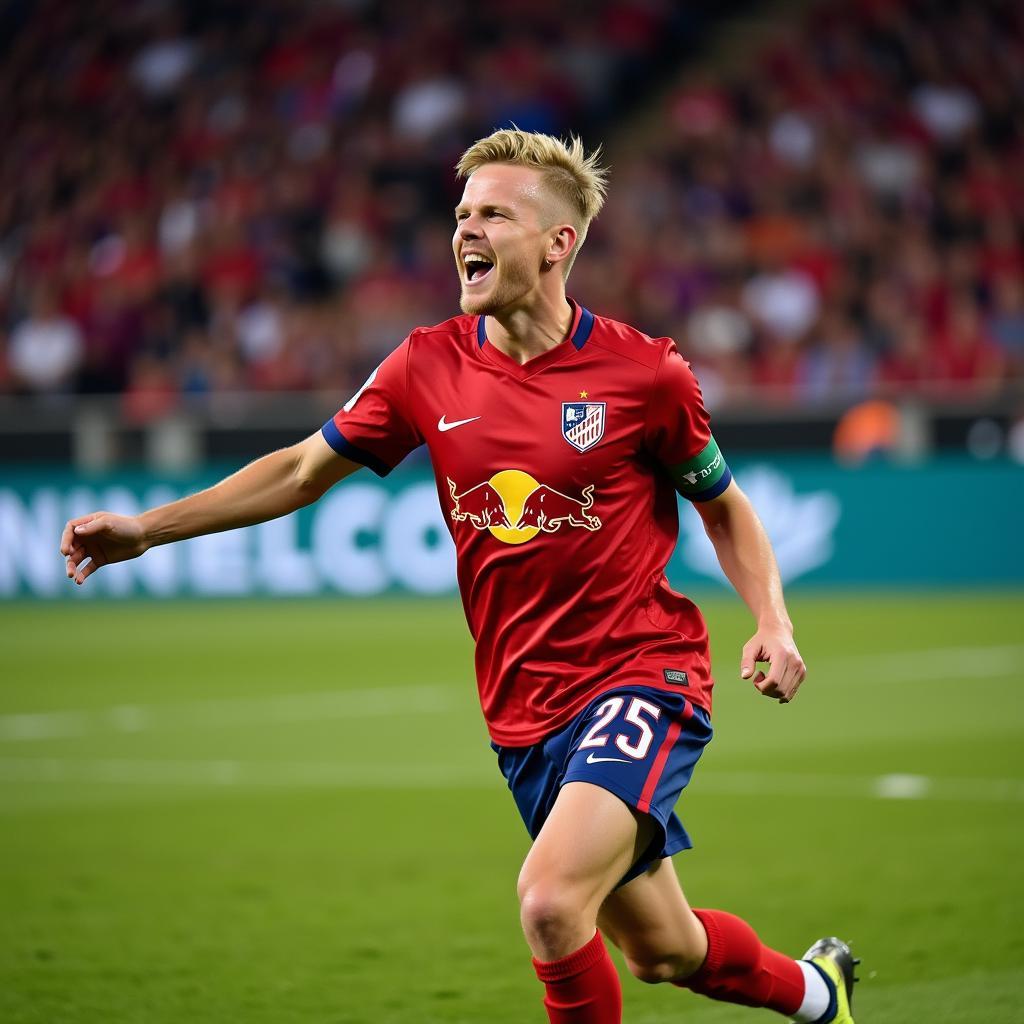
(272, 486)
(746, 557)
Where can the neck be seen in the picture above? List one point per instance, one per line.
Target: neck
(525, 332)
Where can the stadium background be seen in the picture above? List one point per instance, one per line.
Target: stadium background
(214, 220)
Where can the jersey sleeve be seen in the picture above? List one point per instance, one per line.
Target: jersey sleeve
(375, 426)
(678, 431)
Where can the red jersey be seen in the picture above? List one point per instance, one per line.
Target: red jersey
(557, 480)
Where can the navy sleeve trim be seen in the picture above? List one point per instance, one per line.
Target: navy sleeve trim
(337, 440)
(713, 492)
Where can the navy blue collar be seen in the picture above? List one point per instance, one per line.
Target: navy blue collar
(579, 337)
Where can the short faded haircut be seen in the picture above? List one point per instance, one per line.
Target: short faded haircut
(575, 178)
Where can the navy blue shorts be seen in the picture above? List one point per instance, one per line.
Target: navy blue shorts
(637, 742)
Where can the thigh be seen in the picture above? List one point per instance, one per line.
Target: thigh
(650, 920)
(642, 745)
(588, 842)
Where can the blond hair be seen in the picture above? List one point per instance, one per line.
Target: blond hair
(575, 178)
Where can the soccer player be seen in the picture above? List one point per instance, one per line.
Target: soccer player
(559, 440)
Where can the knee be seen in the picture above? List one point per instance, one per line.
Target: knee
(655, 970)
(548, 911)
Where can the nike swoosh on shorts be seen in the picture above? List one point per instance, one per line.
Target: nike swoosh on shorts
(593, 760)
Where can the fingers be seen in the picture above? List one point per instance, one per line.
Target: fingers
(86, 571)
(84, 562)
(95, 523)
(83, 559)
(76, 555)
(752, 653)
(794, 678)
(785, 675)
(67, 538)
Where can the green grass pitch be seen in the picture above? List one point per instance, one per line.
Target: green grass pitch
(288, 812)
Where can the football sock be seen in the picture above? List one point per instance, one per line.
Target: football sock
(583, 987)
(819, 1003)
(739, 969)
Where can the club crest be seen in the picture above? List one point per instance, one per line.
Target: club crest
(583, 423)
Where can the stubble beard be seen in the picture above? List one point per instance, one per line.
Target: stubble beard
(514, 282)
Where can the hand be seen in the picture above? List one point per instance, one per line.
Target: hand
(99, 539)
(786, 669)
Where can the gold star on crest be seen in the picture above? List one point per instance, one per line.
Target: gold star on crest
(583, 394)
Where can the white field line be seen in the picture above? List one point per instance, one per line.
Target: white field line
(241, 711)
(248, 774)
(225, 774)
(896, 667)
(880, 787)
(929, 664)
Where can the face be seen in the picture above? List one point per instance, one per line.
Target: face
(503, 236)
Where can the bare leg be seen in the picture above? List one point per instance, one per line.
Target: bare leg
(651, 922)
(710, 952)
(590, 840)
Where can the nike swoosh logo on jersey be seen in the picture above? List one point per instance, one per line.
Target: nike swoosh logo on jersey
(443, 426)
(593, 760)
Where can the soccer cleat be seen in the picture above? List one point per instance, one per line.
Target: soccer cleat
(833, 957)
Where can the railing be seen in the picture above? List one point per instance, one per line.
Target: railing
(95, 433)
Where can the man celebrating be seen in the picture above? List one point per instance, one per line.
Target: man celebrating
(559, 440)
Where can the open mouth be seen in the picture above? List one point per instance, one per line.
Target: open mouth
(477, 268)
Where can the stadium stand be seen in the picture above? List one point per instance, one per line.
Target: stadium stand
(211, 197)
(206, 198)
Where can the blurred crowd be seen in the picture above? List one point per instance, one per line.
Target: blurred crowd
(221, 196)
(211, 197)
(843, 218)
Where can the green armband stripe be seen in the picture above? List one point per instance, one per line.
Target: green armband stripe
(701, 473)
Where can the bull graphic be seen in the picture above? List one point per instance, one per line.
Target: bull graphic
(482, 505)
(546, 509)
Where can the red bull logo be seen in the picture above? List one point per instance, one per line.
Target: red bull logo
(515, 508)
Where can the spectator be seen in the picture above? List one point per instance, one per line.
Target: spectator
(163, 63)
(837, 366)
(46, 348)
(905, 367)
(785, 302)
(968, 363)
(201, 208)
(1005, 324)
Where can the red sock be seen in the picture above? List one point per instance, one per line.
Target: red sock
(739, 969)
(583, 987)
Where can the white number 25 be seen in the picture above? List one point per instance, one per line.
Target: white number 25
(609, 710)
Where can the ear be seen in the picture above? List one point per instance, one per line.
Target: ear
(562, 243)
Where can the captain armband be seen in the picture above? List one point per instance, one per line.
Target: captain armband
(703, 477)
